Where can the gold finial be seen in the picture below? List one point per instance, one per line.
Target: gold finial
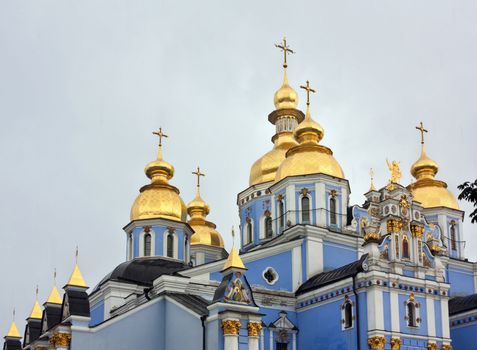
(371, 175)
(422, 131)
(13, 331)
(395, 170)
(76, 278)
(36, 312)
(308, 90)
(76, 255)
(161, 135)
(198, 174)
(54, 297)
(286, 50)
(234, 260)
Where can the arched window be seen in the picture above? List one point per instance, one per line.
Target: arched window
(348, 315)
(305, 209)
(249, 231)
(333, 210)
(405, 248)
(281, 214)
(453, 236)
(170, 245)
(411, 314)
(147, 244)
(268, 227)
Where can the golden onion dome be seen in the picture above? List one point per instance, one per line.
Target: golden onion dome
(309, 157)
(205, 232)
(431, 193)
(159, 199)
(285, 97)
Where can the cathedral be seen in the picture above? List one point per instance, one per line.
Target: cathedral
(312, 271)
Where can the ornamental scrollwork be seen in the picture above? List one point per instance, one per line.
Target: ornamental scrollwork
(432, 346)
(394, 225)
(61, 339)
(231, 327)
(254, 329)
(417, 230)
(396, 343)
(377, 343)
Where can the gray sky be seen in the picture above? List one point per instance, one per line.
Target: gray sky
(83, 84)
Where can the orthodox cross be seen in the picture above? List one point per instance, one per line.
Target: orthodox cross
(422, 131)
(198, 174)
(286, 49)
(308, 90)
(160, 134)
(371, 175)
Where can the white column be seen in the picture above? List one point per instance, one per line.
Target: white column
(294, 341)
(262, 340)
(297, 277)
(314, 256)
(394, 299)
(252, 343)
(291, 207)
(375, 309)
(445, 318)
(431, 317)
(320, 204)
(230, 342)
(271, 339)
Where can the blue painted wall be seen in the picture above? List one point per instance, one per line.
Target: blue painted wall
(282, 263)
(462, 282)
(97, 313)
(464, 337)
(336, 255)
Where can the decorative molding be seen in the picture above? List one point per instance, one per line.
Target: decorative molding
(231, 327)
(417, 230)
(254, 329)
(396, 343)
(394, 225)
(432, 346)
(61, 339)
(446, 347)
(377, 343)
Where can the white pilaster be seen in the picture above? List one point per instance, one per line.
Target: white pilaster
(314, 256)
(445, 318)
(320, 204)
(394, 300)
(431, 317)
(230, 342)
(291, 207)
(252, 343)
(375, 309)
(297, 277)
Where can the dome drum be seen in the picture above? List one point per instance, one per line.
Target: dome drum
(286, 112)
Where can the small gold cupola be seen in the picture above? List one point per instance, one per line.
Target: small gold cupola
(13, 330)
(309, 157)
(36, 312)
(285, 117)
(205, 232)
(76, 279)
(159, 199)
(431, 193)
(234, 261)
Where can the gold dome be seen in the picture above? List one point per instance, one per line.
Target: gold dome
(204, 231)
(285, 97)
(159, 199)
(265, 168)
(427, 190)
(309, 157)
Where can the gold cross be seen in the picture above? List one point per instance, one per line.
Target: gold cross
(422, 130)
(160, 134)
(286, 49)
(198, 174)
(308, 90)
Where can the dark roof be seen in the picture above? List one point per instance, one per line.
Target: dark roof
(12, 344)
(193, 302)
(328, 277)
(142, 271)
(33, 328)
(462, 304)
(78, 302)
(53, 316)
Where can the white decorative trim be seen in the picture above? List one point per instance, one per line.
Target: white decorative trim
(175, 243)
(141, 243)
(274, 272)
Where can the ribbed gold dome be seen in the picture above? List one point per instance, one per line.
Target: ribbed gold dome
(265, 168)
(159, 199)
(204, 231)
(285, 97)
(427, 190)
(309, 157)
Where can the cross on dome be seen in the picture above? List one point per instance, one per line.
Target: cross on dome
(422, 131)
(161, 135)
(286, 50)
(198, 174)
(308, 90)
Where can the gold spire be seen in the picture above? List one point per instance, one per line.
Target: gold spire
(205, 232)
(159, 199)
(427, 190)
(371, 175)
(54, 297)
(13, 330)
(234, 260)
(309, 157)
(36, 312)
(76, 278)
(285, 97)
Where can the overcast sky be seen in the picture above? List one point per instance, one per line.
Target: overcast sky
(83, 84)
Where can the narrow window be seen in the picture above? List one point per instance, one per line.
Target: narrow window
(453, 237)
(305, 209)
(268, 227)
(405, 248)
(411, 314)
(281, 346)
(130, 246)
(281, 214)
(348, 317)
(147, 244)
(396, 243)
(170, 245)
(249, 231)
(333, 210)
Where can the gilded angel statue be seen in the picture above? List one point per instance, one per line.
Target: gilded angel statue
(395, 171)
